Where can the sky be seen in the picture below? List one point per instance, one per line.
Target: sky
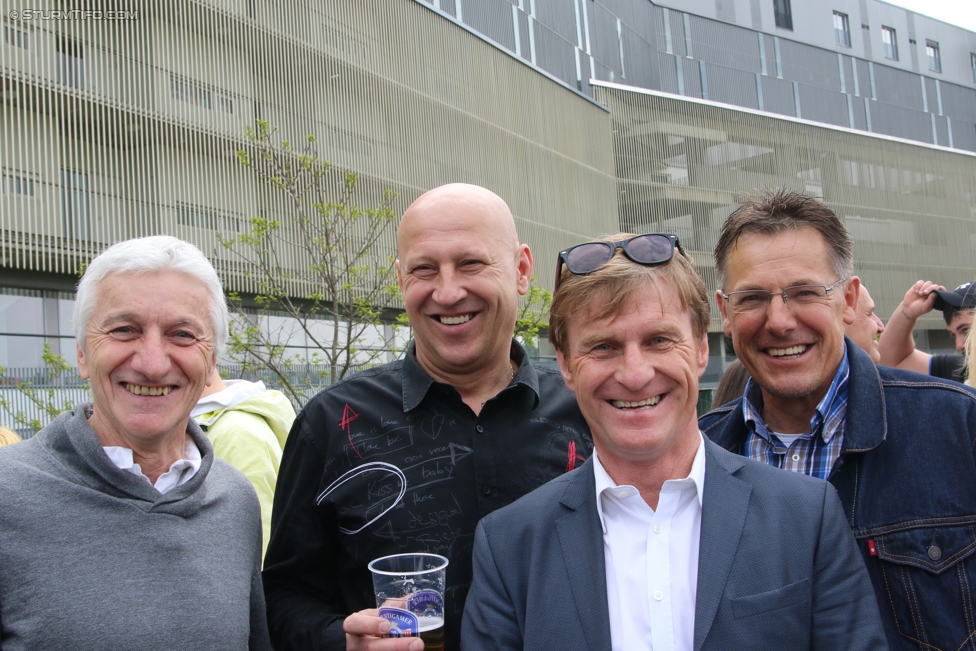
(956, 12)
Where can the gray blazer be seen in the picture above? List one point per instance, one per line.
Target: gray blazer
(778, 567)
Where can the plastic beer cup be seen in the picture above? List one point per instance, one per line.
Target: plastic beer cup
(410, 594)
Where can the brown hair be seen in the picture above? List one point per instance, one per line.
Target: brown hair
(770, 212)
(607, 288)
(732, 385)
(8, 436)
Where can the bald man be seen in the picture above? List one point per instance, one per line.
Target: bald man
(409, 456)
(867, 325)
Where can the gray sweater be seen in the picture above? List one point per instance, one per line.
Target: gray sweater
(93, 557)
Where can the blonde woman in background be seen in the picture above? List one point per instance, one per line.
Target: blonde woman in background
(8, 436)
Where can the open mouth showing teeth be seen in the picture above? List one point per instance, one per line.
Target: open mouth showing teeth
(787, 352)
(455, 320)
(147, 391)
(623, 404)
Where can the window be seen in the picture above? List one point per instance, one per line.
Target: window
(206, 218)
(783, 14)
(189, 92)
(224, 103)
(935, 59)
(74, 204)
(71, 63)
(842, 29)
(972, 61)
(888, 37)
(15, 37)
(17, 185)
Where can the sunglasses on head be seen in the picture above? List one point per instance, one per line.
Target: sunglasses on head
(650, 249)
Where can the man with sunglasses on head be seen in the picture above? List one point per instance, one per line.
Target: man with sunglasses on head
(407, 457)
(897, 446)
(663, 540)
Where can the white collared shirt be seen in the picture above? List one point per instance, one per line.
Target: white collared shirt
(180, 472)
(652, 559)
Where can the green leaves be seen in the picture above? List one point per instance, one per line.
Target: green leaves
(321, 255)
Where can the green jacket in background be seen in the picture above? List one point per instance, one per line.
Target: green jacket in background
(247, 426)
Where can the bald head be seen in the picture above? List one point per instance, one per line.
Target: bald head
(461, 270)
(867, 325)
(460, 201)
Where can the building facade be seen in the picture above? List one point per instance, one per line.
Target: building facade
(120, 120)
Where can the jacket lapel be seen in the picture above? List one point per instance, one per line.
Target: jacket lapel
(581, 541)
(724, 509)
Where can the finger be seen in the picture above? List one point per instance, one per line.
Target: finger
(370, 643)
(365, 622)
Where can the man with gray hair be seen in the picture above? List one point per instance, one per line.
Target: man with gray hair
(118, 528)
(897, 446)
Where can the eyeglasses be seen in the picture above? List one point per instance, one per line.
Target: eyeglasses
(757, 300)
(650, 249)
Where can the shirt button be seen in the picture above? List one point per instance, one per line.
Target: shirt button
(657, 528)
(480, 428)
(658, 595)
(935, 553)
(486, 490)
(796, 457)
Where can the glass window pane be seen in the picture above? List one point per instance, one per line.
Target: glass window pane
(21, 315)
(842, 30)
(932, 53)
(889, 38)
(783, 14)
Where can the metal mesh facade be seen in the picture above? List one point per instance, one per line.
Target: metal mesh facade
(112, 128)
(682, 166)
(685, 52)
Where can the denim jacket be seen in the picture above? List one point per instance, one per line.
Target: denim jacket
(907, 479)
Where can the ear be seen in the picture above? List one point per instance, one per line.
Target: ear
(213, 371)
(565, 370)
(851, 293)
(703, 355)
(82, 363)
(524, 268)
(396, 263)
(723, 308)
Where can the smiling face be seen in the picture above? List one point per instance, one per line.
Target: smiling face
(792, 352)
(867, 326)
(149, 354)
(635, 375)
(461, 272)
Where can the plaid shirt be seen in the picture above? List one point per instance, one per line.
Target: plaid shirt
(815, 452)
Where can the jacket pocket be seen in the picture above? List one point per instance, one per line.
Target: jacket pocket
(764, 602)
(929, 583)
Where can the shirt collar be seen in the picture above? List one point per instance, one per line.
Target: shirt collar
(180, 471)
(835, 398)
(417, 382)
(605, 483)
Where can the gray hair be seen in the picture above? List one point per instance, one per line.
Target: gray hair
(149, 255)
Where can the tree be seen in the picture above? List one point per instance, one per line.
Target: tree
(48, 401)
(327, 267)
(329, 261)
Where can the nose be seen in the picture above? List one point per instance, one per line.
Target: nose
(779, 316)
(151, 359)
(448, 288)
(879, 323)
(634, 371)
(961, 342)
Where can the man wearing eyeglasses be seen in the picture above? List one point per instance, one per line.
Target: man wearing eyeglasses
(662, 540)
(897, 446)
(408, 456)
